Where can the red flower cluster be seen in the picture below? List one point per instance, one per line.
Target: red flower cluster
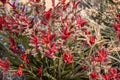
(94, 75)
(48, 40)
(81, 22)
(92, 40)
(117, 25)
(66, 32)
(47, 37)
(50, 30)
(67, 57)
(20, 71)
(12, 24)
(52, 48)
(35, 40)
(101, 56)
(112, 74)
(24, 57)
(47, 16)
(117, 28)
(5, 65)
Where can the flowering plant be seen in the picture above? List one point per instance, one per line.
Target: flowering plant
(56, 44)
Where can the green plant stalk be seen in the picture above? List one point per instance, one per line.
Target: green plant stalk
(59, 69)
(27, 69)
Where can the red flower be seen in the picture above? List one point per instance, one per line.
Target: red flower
(94, 75)
(47, 37)
(106, 77)
(66, 5)
(101, 55)
(92, 40)
(68, 58)
(86, 31)
(75, 4)
(12, 42)
(118, 76)
(51, 51)
(5, 65)
(25, 57)
(118, 16)
(48, 14)
(53, 3)
(117, 28)
(3, 1)
(35, 40)
(66, 33)
(13, 46)
(113, 72)
(2, 20)
(19, 72)
(39, 70)
(53, 47)
(81, 22)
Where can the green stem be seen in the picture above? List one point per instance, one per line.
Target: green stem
(59, 69)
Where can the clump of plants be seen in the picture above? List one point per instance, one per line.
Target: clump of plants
(56, 44)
